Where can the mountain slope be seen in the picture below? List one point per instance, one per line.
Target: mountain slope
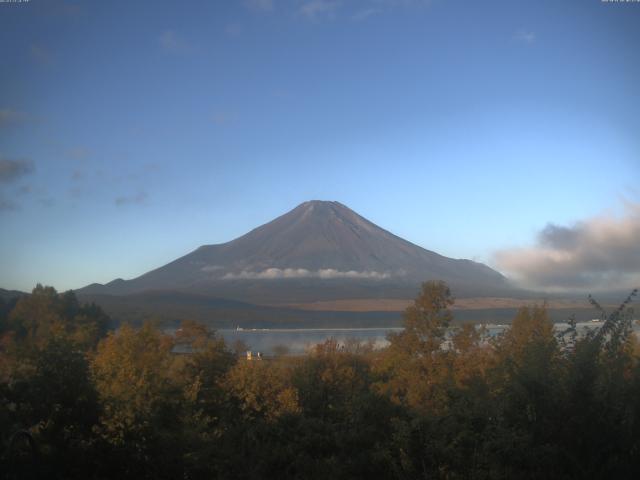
(319, 250)
(7, 295)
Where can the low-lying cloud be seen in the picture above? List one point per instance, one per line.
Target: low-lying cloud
(600, 253)
(324, 274)
(211, 268)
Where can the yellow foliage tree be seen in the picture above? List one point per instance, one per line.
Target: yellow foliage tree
(415, 363)
(262, 389)
(132, 373)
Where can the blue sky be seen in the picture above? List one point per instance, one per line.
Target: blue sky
(133, 132)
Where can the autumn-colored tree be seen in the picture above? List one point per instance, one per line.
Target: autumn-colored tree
(263, 405)
(414, 364)
(344, 418)
(337, 427)
(603, 398)
(332, 381)
(45, 314)
(201, 369)
(55, 402)
(133, 370)
(207, 361)
(262, 389)
(441, 401)
(44, 378)
(527, 388)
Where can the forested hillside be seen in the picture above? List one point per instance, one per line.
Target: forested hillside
(80, 401)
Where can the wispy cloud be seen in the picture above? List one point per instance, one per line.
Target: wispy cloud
(78, 153)
(599, 253)
(260, 5)
(137, 199)
(24, 190)
(223, 118)
(314, 9)
(78, 191)
(371, 8)
(211, 268)
(525, 36)
(41, 55)
(286, 273)
(59, 9)
(233, 30)
(171, 42)
(46, 202)
(78, 175)
(7, 205)
(10, 117)
(13, 169)
(366, 13)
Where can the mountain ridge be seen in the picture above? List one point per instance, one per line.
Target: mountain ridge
(318, 244)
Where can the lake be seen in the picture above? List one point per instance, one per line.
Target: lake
(300, 340)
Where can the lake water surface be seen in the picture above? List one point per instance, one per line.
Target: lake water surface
(300, 340)
(297, 341)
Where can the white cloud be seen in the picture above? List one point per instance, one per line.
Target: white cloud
(525, 36)
(170, 42)
(316, 10)
(324, 274)
(313, 9)
(366, 13)
(600, 253)
(211, 268)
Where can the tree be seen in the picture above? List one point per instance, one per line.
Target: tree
(133, 371)
(601, 427)
(414, 364)
(201, 373)
(426, 321)
(208, 362)
(262, 389)
(56, 404)
(46, 314)
(527, 381)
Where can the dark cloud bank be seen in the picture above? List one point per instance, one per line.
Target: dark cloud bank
(601, 253)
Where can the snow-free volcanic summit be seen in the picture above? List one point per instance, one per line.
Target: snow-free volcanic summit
(318, 251)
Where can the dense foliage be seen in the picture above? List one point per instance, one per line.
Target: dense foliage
(77, 401)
